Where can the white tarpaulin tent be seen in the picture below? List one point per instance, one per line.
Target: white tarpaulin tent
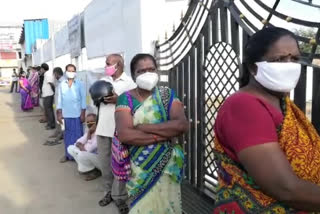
(74, 35)
(61, 42)
(105, 27)
(47, 51)
(36, 56)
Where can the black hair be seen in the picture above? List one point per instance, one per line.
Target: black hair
(92, 115)
(137, 58)
(71, 65)
(38, 68)
(45, 66)
(257, 46)
(58, 70)
(14, 70)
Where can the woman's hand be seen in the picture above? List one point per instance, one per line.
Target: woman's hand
(132, 135)
(59, 116)
(272, 172)
(80, 146)
(176, 126)
(83, 116)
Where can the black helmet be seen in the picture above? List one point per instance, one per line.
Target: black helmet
(100, 89)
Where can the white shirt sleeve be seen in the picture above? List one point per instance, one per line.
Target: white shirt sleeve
(49, 77)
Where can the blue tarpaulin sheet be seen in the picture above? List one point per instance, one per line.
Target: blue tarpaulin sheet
(33, 30)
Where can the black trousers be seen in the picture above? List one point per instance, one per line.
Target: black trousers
(48, 110)
(14, 83)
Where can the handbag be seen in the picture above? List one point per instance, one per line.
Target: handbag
(120, 159)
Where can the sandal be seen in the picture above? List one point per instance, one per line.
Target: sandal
(64, 159)
(107, 199)
(42, 121)
(95, 173)
(52, 142)
(122, 206)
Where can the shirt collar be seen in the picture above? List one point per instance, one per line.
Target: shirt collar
(123, 77)
(66, 80)
(61, 79)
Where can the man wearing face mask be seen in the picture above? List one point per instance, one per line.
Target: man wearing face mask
(58, 135)
(71, 108)
(114, 190)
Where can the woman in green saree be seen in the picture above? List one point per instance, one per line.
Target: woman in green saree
(147, 119)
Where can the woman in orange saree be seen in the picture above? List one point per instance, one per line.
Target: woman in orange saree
(266, 150)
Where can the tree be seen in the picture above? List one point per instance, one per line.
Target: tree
(310, 33)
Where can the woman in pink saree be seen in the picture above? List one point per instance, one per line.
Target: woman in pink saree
(34, 83)
(25, 91)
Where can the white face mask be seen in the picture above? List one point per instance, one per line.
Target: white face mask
(147, 81)
(71, 75)
(278, 76)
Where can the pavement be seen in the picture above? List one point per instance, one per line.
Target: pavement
(32, 181)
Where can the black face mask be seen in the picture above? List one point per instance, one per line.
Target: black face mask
(90, 124)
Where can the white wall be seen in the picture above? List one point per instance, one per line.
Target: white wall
(62, 61)
(139, 23)
(121, 26)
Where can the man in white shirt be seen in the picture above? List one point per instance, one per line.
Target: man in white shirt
(57, 137)
(15, 79)
(48, 89)
(114, 189)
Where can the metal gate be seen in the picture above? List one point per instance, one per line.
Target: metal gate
(203, 62)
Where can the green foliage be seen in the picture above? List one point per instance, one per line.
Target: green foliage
(307, 33)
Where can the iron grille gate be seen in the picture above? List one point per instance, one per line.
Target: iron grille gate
(202, 61)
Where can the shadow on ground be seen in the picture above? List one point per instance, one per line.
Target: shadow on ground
(32, 179)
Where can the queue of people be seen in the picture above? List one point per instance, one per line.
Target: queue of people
(266, 151)
(93, 150)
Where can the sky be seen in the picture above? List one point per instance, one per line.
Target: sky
(287, 7)
(15, 11)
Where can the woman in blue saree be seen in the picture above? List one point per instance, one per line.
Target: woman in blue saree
(147, 119)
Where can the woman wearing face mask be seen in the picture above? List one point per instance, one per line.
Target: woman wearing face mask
(71, 107)
(147, 118)
(266, 150)
(25, 90)
(34, 83)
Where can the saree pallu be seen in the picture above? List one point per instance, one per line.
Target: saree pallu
(237, 191)
(34, 83)
(26, 102)
(154, 186)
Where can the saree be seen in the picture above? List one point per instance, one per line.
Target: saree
(26, 102)
(154, 185)
(237, 191)
(34, 83)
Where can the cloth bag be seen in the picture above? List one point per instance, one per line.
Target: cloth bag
(120, 159)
